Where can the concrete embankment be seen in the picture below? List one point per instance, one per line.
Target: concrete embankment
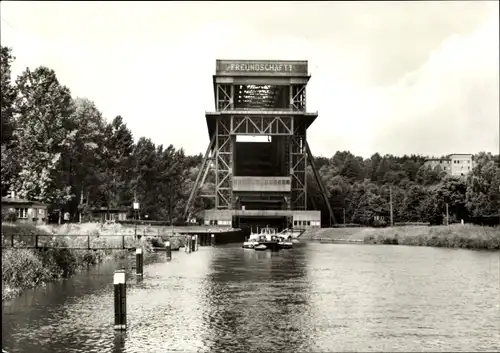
(27, 268)
(453, 236)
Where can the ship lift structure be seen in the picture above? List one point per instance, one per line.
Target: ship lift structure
(260, 182)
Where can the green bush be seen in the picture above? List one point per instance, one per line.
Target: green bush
(21, 269)
(456, 236)
(10, 216)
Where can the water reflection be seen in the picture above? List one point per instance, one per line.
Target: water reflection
(398, 298)
(322, 297)
(119, 342)
(257, 301)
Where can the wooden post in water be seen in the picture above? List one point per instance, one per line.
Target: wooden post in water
(138, 261)
(212, 239)
(120, 285)
(168, 250)
(88, 241)
(447, 216)
(197, 240)
(36, 241)
(188, 244)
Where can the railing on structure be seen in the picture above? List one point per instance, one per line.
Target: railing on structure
(300, 231)
(74, 242)
(96, 242)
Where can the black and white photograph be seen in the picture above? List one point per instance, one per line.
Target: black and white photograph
(250, 176)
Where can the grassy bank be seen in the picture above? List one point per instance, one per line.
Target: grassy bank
(27, 268)
(455, 236)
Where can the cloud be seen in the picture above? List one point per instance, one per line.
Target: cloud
(449, 102)
(417, 77)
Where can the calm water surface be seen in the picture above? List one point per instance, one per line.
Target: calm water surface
(317, 298)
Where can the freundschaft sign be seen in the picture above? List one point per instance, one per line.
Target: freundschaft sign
(261, 67)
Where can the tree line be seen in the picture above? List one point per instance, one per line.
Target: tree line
(360, 189)
(60, 150)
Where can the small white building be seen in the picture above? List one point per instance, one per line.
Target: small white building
(26, 211)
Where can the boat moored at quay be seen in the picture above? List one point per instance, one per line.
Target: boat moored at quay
(270, 239)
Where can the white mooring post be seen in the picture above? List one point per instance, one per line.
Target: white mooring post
(193, 244)
(168, 250)
(212, 239)
(138, 261)
(197, 242)
(120, 286)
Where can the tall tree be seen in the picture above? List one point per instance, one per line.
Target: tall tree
(46, 135)
(10, 162)
(87, 154)
(483, 187)
(115, 174)
(8, 96)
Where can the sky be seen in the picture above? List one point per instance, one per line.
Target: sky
(388, 77)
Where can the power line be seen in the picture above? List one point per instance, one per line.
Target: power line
(7, 23)
(9, 37)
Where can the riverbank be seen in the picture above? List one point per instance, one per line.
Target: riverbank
(453, 236)
(27, 268)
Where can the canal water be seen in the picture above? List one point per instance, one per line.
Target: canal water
(316, 298)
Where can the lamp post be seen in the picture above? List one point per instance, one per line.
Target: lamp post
(136, 210)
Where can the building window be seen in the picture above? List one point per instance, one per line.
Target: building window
(22, 212)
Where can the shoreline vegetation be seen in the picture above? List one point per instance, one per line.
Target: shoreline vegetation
(465, 236)
(23, 269)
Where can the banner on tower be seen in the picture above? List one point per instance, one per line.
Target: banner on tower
(261, 67)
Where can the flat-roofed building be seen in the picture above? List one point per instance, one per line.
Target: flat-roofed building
(457, 164)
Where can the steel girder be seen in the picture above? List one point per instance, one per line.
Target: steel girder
(298, 168)
(322, 187)
(223, 164)
(298, 98)
(224, 97)
(262, 125)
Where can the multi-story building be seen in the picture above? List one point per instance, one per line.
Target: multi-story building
(458, 164)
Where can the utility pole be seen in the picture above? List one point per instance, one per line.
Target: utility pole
(81, 207)
(171, 205)
(390, 204)
(135, 201)
(135, 211)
